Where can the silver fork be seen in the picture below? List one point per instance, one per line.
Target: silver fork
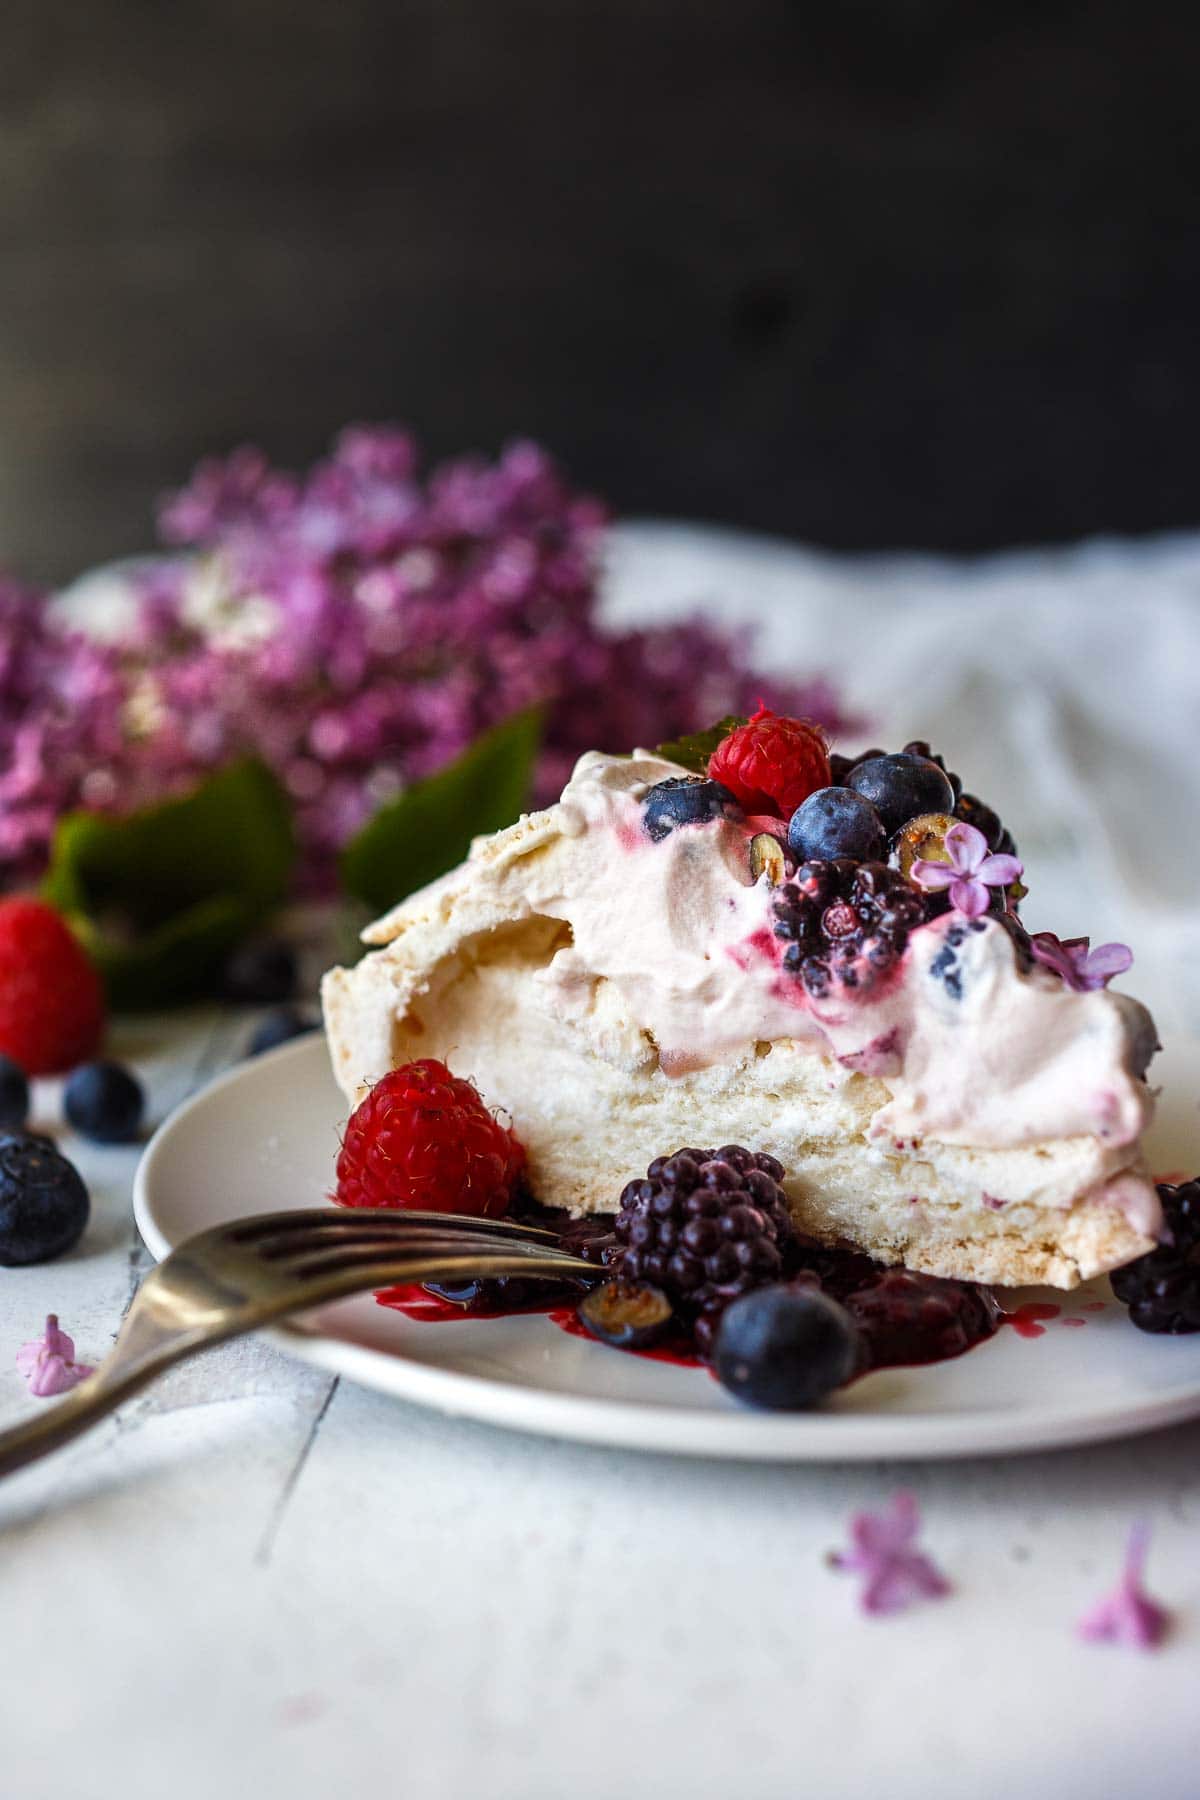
(254, 1271)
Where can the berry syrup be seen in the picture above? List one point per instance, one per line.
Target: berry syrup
(905, 1319)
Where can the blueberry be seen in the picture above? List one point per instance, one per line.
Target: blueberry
(279, 1027)
(263, 971)
(900, 787)
(835, 821)
(14, 1095)
(102, 1100)
(628, 1314)
(44, 1205)
(786, 1347)
(686, 800)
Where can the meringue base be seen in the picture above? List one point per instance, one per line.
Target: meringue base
(592, 1104)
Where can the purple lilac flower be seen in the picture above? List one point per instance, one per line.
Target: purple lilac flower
(885, 1554)
(356, 626)
(1082, 968)
(48, 1363)
(1128, 1615)
(970, 871)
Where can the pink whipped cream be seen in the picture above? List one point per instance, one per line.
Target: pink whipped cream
(685, 938)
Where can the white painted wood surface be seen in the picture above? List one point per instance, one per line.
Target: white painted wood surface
(257, 1581)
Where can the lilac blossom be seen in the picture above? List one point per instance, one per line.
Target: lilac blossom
(969, 872)
(357, 626)
(885, 1554)
(1128, 1615)
(48, 1363)
(1083, 969)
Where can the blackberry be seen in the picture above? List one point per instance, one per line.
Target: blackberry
(845, 923)
(1162, 1288)
(908, 1318)
(685, 800)
(976, 812)
(704, 1226)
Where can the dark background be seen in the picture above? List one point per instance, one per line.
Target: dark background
(916, 273)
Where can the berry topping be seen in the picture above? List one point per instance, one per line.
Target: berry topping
(262, 972)
(923, 839)
(44, 1205)
(423, 1138)
(967, 869)
(279, 1027)
(772, 764)
(901, 787)
(705, 1226)
(908, 1318)
(845, 923)
(974, 812)
(835, 821)
(766, 857)
(919, 747)
(102, 1100)
(51, 1002)
(631, 1315)
(14, 1096)
(1162, 1288)
(686, 800)
(786, 1347)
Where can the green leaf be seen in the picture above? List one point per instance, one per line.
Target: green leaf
(428, 828)
(160, 897)
(694, 751)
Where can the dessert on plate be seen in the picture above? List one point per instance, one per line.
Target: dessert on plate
(820, 960)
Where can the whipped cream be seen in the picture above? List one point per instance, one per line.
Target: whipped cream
(682, 936)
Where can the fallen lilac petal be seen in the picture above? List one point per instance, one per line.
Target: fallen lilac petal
(1128, 1615)
(884, 1552)
(48, 1363)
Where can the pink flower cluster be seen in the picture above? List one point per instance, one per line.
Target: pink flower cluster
(357, 627)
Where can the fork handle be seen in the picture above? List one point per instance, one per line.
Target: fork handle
(82, 1408)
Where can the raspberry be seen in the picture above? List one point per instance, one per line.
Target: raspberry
(705, 1226)
(51, 1001)
(423, 1138)
(772, 764)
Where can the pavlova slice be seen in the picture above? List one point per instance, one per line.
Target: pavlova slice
(747, 941)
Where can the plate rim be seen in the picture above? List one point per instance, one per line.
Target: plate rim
(652, 1426)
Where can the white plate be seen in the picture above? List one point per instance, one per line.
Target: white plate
(265, 1136)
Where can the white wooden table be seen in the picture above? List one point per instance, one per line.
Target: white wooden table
(257, 1580)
